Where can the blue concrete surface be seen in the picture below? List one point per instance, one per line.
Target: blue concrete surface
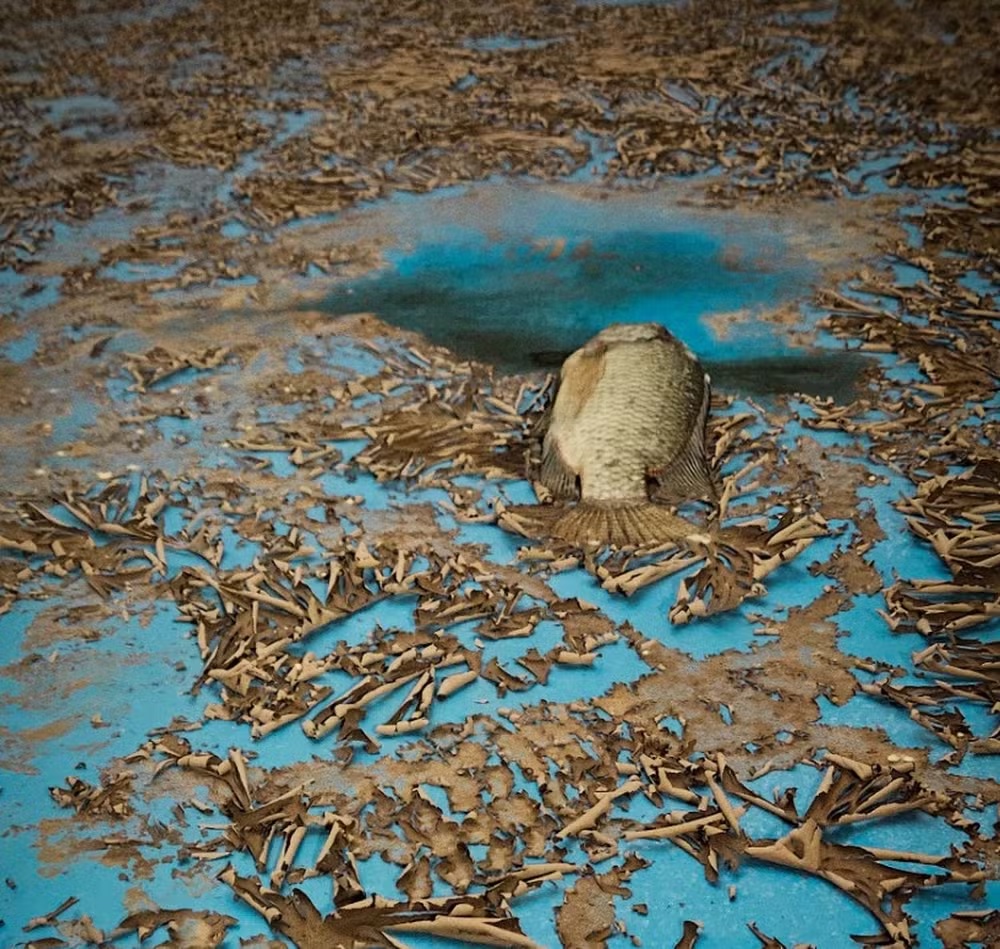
(129, 673)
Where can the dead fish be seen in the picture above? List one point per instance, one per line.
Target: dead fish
(626, 430)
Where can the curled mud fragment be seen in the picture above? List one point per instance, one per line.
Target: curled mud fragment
(251, 647)
(850, 792)
(159, 364)
(49, 918)
(766, 942)
(372, 921)
(965, 929)
(959, 516)
(734, 561)
(185, 927)
(110, 799)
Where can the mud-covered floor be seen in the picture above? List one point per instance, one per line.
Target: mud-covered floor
(277, 668)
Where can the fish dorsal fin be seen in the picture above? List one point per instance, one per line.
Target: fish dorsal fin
(689, 475)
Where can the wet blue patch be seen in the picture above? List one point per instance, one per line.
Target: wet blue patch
(22, 348)
(505, 44)
(74, 112)
(542, 272)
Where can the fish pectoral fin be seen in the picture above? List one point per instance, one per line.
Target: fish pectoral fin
(688, 478)
(556, 475)
(628, 524)
(689, 475)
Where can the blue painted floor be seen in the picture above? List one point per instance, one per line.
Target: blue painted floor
(516, 274)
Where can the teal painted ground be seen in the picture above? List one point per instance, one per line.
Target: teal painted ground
(491, 286)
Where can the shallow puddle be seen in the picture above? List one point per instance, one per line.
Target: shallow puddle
(521, 277)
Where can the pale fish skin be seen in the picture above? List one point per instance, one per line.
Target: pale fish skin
(627, 429)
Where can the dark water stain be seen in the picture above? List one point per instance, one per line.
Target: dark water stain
(817, 372)
(837, 375)
(523, 304)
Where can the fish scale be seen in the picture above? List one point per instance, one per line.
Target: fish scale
(638, 418)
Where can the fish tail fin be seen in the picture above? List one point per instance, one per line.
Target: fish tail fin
(637, 524)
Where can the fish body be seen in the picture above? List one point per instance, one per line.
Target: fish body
(626, 429)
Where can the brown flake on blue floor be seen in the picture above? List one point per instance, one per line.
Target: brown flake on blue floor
(689, 936)
(853, 791)
(78, 930)
(493, 602)
(957, 515)
(768, 942)
(50, 918)
(110, 799)
(463, 428)
(968, 928)
(302, 448)
(586, 917)
(756, 687)
(850, 569)
(714, 847)
(159, 364)
(931, 707)
(951, 350)
(855, 871)
(968, 671)
(185, 927)
(734, 562)
(413, 668)
(850, 791)
(375, 921)
(737, 561)
(266, 611)
(101, 537)
(600, 807)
